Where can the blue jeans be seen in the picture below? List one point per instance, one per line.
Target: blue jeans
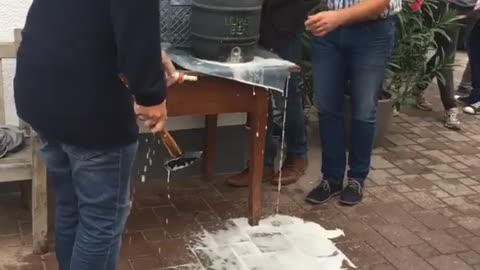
(474, 56)
(295, 132)
(358, 55)
(92, 203)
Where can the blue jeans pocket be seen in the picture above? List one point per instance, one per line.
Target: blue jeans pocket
(84, 154)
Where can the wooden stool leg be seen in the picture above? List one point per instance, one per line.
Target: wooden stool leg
(39, 201)
(210, 145)
(258, 122)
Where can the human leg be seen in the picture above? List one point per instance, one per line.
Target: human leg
(474, 55)
(66, 211)
(471, 19)
(101, 179)
(328, 71)
(370, 46)
(295, 131)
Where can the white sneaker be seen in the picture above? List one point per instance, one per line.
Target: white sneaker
(451, 119)
(472, 108)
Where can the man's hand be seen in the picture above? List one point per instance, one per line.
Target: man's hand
(322, 23)
(153, 117)
(169, 69)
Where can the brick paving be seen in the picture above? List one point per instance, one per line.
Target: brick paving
(421, 208)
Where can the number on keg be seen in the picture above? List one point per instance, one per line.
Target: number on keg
(237, 26)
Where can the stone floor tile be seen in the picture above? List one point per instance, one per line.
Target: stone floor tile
(145, 263)
(424, 200)
(404, 258)
(378, 162)
(396, 215)
(471, 223)
(398, 235)
(361, 254)
(459, 233)
(433, 219)
(417, 182)
(437, 156)
(443, 242)
(470, 257)
(455, 188)
(383, 266)
(448, 262)
(382, 177)
(425, 250)
(142, 219)
(173, 252)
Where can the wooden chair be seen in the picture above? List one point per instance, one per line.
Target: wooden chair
(26, 165)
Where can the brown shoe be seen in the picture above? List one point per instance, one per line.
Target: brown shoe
(292, 170)
(242, 179)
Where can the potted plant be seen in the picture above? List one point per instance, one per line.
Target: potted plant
(414, 62)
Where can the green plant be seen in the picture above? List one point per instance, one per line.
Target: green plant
(414, 63)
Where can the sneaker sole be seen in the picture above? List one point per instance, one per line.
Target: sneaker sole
(349, 203)
(424, 108)
(452, 127)
(313, 201)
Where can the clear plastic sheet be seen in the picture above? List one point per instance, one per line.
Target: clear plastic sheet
(267, 70)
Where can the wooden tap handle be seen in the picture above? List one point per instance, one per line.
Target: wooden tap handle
(170, 144)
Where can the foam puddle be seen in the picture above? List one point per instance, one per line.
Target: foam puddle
(278, 243)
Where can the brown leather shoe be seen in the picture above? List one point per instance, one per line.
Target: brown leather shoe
(292, 170)
(242, 180)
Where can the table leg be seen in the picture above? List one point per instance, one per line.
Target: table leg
(258, 123)
(210, 150)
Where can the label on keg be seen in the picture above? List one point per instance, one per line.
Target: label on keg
(237, 25)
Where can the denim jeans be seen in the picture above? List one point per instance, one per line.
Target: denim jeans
(357, 55)
(92, 203)
(474, 56)
(472, 17)
(295, 132)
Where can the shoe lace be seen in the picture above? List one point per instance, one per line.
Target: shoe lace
(452, 115)
(325, 185)
(355, 185)
(475, 105)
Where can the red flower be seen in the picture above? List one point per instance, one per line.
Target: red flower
(417, 5)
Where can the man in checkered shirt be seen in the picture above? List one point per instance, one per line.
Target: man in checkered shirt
(352, 44)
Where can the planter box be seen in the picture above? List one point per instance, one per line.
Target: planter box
(384, 119)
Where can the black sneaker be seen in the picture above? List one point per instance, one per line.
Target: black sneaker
(323, 193)
(352, 194)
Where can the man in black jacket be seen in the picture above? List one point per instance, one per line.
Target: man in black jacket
(281, 27)
(67, 88)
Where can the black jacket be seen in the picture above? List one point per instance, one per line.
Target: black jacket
(281, 21)
(66, 84)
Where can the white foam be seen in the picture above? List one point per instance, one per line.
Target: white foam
(278, 243)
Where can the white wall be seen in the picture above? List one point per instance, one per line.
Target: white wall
(12, 15)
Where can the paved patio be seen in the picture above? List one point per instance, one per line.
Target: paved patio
(421, 208)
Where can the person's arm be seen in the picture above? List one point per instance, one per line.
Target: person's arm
(324, 22)
(137, 34)
(363, 11)
(477, 6)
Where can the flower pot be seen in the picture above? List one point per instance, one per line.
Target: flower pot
(384, 118)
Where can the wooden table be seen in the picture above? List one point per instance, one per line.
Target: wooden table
(211, 96)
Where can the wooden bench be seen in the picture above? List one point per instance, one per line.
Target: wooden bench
(26, 165)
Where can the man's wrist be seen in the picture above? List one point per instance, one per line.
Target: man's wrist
(345, 16)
